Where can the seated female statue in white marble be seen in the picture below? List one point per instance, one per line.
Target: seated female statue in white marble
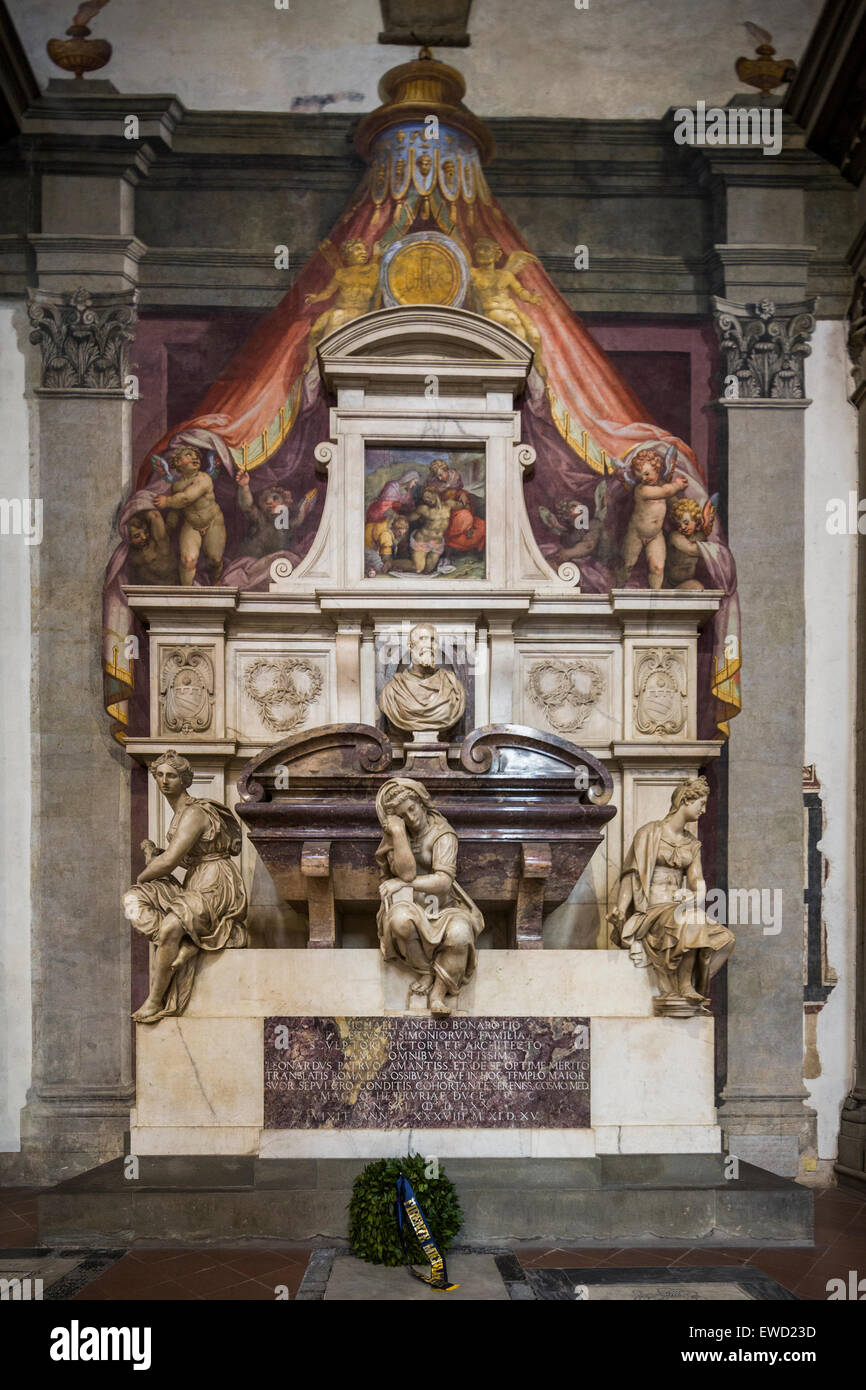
(426, 921)
(206, 911)
(662, 879)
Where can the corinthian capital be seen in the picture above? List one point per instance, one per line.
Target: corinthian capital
(83, 337)
(765, 346)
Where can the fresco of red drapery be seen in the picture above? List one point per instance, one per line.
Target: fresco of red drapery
(268, 411)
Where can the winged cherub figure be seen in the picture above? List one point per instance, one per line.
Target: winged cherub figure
(353, 282)
(690, 523)
(495, 291)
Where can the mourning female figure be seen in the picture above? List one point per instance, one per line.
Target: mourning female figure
(426, 921)
(659, 915)
(203, 913)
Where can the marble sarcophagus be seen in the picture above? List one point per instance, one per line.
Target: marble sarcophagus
(529, 808)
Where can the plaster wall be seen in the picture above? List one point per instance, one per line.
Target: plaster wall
(627, 59)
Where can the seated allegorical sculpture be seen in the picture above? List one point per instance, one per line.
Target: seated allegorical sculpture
(659, 915)
(204, 913)
(426, 921)
(424, 697)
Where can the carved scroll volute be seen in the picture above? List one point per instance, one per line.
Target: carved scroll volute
(353, 749)
(485, 751)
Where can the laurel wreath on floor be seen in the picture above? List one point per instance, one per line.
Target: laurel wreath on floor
(372, 1223)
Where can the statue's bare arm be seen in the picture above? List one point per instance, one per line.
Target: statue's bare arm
(402, 858)
(624, 899)
(439, 883)
(695, 877)
(192, 824)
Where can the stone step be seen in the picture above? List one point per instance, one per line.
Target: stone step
(634, 1199)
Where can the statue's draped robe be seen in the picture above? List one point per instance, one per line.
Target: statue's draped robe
(210, 904)
(423, 702)
(652, 933)
(431, 917)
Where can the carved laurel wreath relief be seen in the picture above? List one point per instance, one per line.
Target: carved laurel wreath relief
(283, 689)
(567, 691)
(660, 688)
(187, 690)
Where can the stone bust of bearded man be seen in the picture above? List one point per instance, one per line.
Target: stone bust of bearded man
(423, 697)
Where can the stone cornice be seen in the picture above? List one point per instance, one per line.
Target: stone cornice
(210, 142)
(827, 97)
(18, 86)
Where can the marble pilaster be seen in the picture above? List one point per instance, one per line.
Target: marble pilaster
(763, 1113)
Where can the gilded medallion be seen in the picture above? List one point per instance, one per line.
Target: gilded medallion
(424, 268)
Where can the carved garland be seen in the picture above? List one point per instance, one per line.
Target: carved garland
(553, 686)
(282, 690)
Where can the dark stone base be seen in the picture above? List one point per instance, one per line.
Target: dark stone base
(642, 1199)
(851, 1179)
(851, 1162)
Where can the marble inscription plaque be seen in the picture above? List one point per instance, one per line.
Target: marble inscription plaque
(433, 1073)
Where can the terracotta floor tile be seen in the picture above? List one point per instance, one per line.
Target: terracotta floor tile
(291, 1278)
(159, 1254)
(211, 1280)
(785, 1265)
(638, 1258)
(106, 1290)
(851, 1246)
(573, 1259)
(839, 1194)
(167, 1293)
(250, 1292)
(736, 1252)
(828, 1267)
(812, 1288)
(834, 1212)
(706, 1259)
(187, 1262)
(127, 1288)
(260, 1262)
(565, 1259)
